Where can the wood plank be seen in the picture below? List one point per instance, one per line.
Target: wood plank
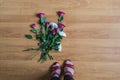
(86, 70)
(92, 42)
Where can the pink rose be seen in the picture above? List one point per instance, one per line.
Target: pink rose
(53, 31)
(61, 13)
(57, 29)
(33, 25)
(47, 24)
(41, 15)
(61, 25)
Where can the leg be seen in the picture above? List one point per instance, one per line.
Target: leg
(55, 78)
(68, 70)
(68, 77)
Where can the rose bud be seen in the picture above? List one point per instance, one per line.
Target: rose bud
(61, 13)
(41, 15)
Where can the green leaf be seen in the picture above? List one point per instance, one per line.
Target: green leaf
(34, 31)
(55, 47)
(28, 36)
(37, 37)
(50, 36)
(60, 18)
(43, 20)
(58, 39)
(43, 37)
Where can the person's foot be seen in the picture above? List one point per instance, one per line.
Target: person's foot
(68, 68)
(55, 70)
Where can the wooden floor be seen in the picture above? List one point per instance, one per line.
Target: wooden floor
(92, 43)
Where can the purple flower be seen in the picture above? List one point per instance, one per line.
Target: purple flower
(57, 29)
(61, 25)
(61, 13)
(33, 25)
(53, 31)
(47, 24)
(41, 14)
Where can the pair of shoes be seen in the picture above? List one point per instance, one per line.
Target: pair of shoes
(68, 69)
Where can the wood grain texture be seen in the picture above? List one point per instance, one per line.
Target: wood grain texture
(92, 43)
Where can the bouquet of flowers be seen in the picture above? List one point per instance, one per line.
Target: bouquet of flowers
(48, 35)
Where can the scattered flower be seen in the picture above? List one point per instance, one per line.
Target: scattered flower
(54, 25)
(57, 29)
(47, 24)
(60, 48)
(48, 36)
(61, 13)
(53, 31)
(33, 25)
(61, 33)
(41, 15)
(61, 25)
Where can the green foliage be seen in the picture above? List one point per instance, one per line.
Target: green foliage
(43, 20)
(45, 40)
(28, 36)
(60, 19)
(37, 36)
(34, 31)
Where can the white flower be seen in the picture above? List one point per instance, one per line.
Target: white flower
(61, 33)
(53, 24)
(58, 42)
(60, 48)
